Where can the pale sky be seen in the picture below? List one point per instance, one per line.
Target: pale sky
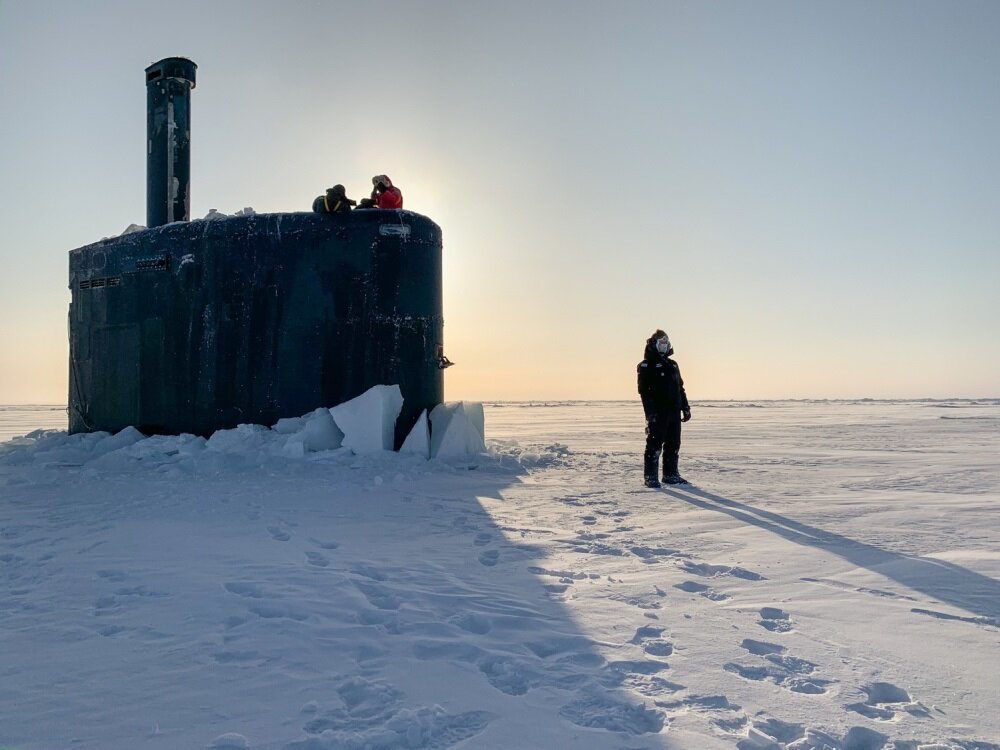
(804, 195)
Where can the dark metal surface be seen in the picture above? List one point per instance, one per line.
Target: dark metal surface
(200, 326)
(168, 140)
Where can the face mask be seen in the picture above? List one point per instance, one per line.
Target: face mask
(663, 345)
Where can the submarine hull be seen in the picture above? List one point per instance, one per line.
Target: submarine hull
(198, 326)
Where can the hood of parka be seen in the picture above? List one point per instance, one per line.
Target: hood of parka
(651, 351)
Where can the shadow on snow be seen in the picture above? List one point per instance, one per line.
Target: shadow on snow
(943, 581)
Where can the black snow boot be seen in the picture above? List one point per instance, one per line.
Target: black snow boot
(674, 479)
(650, 459)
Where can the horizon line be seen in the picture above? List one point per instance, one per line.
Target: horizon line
(801, 399)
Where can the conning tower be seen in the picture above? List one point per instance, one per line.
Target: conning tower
(195, 326)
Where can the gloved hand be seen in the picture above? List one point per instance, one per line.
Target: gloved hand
(651, 418)
(685, 415)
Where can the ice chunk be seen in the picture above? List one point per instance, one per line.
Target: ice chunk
(243, 439)
(318, 432)
(369, 421)
(457, 429)
(123, 439)
(474, 411)
(289, 425)
(419, 439)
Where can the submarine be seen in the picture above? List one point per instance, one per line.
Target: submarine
(196, 326)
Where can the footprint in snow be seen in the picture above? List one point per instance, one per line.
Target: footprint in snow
(509, 675)
(649, 638)
(372, 705)
(13, 561)
(383, 621)
(277, 534)
(774, 619)
(566, 576)
(473, 623)
(715, 571)
(324, 545)
(652, 555)
(642, 601)
(483, 539)
(770, 732)
(605, 711)
(761, 648)
(632, 673)
(316, 559)
(726, 716)
(378, 596)
(883, 702)
(556, 588)
(783, 670)
(369, 571)
(693, 587)
(245, 589)
(589, 520)
(489, 558)
(588, 544)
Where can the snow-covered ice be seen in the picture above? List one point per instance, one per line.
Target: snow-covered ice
(831, 579)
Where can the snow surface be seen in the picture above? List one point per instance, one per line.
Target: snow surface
(832, 579)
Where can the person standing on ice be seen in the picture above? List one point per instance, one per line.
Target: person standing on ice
(665, 403)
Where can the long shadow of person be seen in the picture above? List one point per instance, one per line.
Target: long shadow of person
(943, 581)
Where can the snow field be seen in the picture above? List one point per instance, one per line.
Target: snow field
(830, 580)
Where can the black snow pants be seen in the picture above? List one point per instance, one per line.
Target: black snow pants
(663, 435)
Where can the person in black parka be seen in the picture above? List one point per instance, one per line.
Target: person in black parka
(665, 403)
(335, 201)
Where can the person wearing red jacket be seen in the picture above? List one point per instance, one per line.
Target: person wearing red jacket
(385, 194)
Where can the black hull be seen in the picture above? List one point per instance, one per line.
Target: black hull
(199, 326)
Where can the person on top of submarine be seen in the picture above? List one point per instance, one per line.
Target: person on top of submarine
(335, 201)
(665, 404)
(385, 194)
